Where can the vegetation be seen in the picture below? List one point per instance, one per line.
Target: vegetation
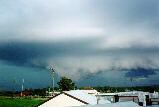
(19, 102)
(123, 89)
(66, 84)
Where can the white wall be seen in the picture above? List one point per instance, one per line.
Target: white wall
(62, 100)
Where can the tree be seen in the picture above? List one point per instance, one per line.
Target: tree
(66, 84)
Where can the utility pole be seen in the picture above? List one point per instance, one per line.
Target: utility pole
(22, 87)
(53, 78)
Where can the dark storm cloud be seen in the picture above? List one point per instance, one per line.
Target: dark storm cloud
(140, 72)
(81, 58)
(22, 53)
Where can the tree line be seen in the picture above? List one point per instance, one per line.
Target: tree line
(66, 84)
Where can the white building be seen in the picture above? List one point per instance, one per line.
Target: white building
(118, 104)
(70, 99)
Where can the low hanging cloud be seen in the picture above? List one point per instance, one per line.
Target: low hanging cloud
(91, 65)
(77, 58)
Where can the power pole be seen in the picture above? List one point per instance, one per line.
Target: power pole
(22, 87)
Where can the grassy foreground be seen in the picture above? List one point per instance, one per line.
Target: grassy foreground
(19, 102)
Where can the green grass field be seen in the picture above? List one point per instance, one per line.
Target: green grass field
(19, 102)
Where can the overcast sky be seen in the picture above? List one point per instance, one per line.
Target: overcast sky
(93, 42)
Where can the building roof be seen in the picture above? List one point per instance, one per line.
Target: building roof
(118, 104)
(80, 94)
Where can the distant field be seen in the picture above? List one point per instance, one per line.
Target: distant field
(19, 102)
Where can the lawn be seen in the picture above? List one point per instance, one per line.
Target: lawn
(19, 102)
